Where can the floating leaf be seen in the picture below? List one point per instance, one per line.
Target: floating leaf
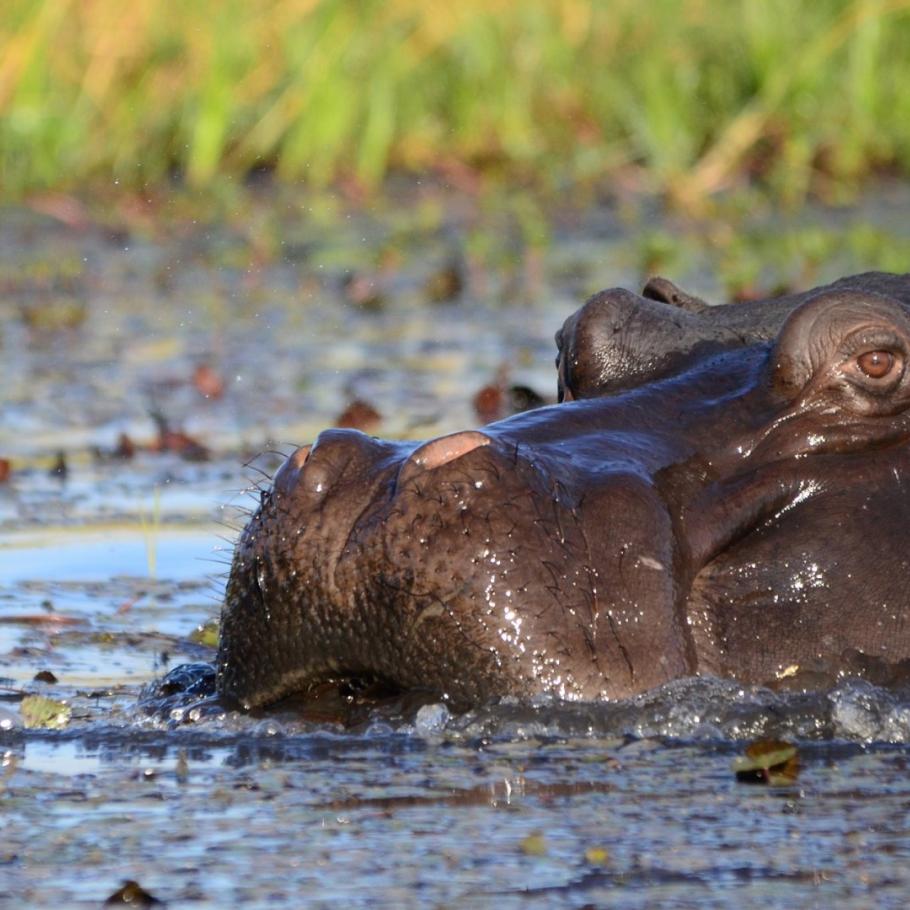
(768, 762)
(359, 415)
(445, 284)
(208, 382)
(132, 894)
(597, 856)
(206, 634)
(39, 619)
(38, 711)
(535, 844)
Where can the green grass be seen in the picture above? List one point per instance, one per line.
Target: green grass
(684, 97)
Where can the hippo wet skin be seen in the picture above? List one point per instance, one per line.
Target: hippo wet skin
(722, 491)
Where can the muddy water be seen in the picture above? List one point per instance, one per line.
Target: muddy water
(107, 573)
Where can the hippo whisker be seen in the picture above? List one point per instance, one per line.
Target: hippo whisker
(250, 466)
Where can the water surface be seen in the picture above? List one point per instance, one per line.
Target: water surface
(107, 574)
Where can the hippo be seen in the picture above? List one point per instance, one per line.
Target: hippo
(721, 490)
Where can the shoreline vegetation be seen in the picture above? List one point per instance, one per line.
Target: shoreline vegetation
(680, 98)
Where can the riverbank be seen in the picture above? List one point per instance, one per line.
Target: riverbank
(678, 98)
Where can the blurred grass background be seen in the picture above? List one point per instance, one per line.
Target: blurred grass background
(683, 97)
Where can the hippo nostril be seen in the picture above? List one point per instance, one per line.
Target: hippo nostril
(298, 459)
(440, 451)
(288, 474)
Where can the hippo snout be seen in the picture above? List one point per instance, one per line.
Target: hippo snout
(415, 565)
(325, 579)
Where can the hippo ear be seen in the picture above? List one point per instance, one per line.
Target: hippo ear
(847, 352)
(664, 291)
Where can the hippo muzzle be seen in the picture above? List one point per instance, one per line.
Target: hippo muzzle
(473, 566)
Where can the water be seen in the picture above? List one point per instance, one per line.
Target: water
(401, 820)
(106, 576)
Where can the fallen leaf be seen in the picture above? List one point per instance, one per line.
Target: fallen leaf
(770, 762)
(597, 856)
(535, 844)
(40, 712)
(41, 619)
(134, 895)
(206, 634)
(359, 415)
(208, 383)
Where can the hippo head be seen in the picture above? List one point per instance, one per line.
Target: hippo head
(737, 508)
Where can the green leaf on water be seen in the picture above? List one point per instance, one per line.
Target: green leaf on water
(597, 856)
(768, 761)
(535, 844)
(206, 634)
(38, 711)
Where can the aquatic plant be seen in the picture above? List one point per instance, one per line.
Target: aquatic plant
(683, 95)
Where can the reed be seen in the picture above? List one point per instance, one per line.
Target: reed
(684, 96)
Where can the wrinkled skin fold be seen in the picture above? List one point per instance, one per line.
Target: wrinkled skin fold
(722, 491)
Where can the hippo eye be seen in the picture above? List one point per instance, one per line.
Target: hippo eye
(876, 364)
